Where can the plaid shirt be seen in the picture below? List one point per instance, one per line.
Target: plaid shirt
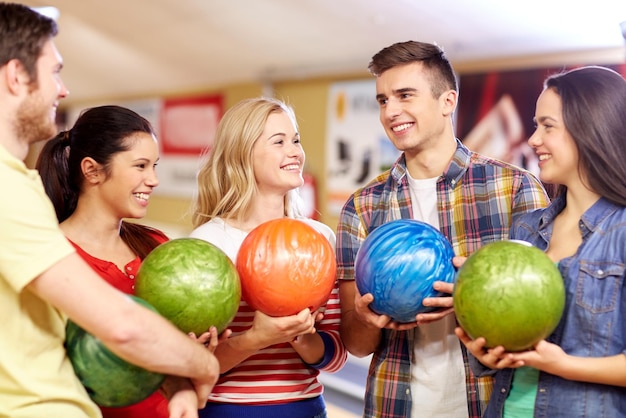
(477, 200)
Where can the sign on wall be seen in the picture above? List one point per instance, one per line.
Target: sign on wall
(496, 111)
(357, 148)
(185, 129)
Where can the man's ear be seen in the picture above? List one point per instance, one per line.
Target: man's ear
(92, 170)
(16, 76)
(449, 100)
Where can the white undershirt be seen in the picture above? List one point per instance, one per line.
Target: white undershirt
(437, 370)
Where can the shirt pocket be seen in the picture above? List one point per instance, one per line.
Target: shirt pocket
(599, 285)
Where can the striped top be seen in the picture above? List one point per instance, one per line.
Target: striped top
(477, 199)
(275, 374)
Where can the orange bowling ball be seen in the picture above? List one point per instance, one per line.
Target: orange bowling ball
(285, 265)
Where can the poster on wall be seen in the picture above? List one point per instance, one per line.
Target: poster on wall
(148, 108)
(186, 130)
(496, 111)
(357, 148)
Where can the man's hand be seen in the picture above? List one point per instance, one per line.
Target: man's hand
(443, 303)
(203, 386)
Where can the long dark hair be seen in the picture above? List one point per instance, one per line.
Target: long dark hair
(593, 100)
(99, 133)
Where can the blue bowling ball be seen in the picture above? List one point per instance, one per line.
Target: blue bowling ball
(398, 263)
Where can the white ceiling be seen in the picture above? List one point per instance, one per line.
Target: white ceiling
(130, 48)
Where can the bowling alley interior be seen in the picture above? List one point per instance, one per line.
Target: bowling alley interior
(182, 64)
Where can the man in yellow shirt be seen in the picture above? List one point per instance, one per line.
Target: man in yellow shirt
(42, 280)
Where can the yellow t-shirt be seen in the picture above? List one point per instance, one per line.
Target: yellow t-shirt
(36, 377)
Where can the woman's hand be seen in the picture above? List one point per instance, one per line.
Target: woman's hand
(211, 339)
(268, 330)
(494, 358)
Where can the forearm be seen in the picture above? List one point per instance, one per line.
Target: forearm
(163, 349)
(359, 338)
(133, 332)
(309, 347)
(235, 350)
(602, 370)
(335, 352)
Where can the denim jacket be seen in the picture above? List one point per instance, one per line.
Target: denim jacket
(594, 320)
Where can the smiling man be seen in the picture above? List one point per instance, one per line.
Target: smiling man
(420, 368)
(43, 281)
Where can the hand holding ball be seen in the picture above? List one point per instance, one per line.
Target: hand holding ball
(285, 266)
(192, 283)
(398, 263)
(510, 293)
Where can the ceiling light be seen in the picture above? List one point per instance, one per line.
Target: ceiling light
(48, 11)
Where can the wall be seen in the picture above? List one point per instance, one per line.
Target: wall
(171, 214)
(309, 97)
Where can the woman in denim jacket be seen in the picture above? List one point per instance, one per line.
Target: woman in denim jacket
(579, 370)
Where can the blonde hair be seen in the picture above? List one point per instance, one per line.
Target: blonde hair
(226, 183)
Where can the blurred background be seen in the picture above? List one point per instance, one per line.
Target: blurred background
(182, 63)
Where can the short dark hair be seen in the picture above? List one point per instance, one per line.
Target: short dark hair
(23, 33)
(593, 100)
(430, 55)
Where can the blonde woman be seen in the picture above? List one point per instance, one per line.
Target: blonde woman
(269, 366)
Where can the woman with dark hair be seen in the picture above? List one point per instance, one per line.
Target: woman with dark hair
(579, 370)
(78, 164)
(96, 174)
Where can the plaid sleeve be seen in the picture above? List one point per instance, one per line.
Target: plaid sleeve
(350, 234)
(530, 196)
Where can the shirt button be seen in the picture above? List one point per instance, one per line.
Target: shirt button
(503, 390)
(131, 276)
(600, 272)
(408, 391)
(128, 268)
